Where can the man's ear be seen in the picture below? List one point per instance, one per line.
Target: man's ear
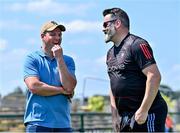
(118, 23)
(42, 35)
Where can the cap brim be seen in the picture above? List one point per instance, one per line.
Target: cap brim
(61, 27)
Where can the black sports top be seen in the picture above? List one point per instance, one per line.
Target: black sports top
(125, 64)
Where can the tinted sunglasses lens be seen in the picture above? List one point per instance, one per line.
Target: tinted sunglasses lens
(105, 24)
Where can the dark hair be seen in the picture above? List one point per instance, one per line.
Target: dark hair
(119, 14)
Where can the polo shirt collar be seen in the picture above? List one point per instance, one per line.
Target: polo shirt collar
(42, 54)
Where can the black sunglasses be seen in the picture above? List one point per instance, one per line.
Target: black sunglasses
(105, 24)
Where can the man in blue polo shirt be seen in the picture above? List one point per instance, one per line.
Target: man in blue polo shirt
(50, 79)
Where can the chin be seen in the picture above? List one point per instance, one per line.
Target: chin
(107, 39)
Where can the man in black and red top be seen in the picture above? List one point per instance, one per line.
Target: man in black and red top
(134, 77)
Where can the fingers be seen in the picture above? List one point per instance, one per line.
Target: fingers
(56, 47)
(57, 51)
(116, 127)
(63, 91)
(141, 116)
(66, 93)
(140, 122)
(140, 119)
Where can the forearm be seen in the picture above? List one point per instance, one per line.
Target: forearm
(115, 114)
(152, 85)
(68, 81)
(42, 89)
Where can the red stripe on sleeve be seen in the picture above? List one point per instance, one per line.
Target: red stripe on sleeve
(145, 50)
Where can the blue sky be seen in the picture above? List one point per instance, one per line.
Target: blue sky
(158, 21)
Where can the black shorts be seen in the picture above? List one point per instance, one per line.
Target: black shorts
(155, 123)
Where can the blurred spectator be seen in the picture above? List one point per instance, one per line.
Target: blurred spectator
(169, 124)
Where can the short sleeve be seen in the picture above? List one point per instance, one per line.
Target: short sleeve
(70, 65)
(142, 53)
(30, 67)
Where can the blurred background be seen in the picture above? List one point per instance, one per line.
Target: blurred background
(158, 21)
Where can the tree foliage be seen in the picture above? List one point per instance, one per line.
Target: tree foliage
(170, 102)
(96, 103)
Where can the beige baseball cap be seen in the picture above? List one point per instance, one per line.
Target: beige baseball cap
(51, 25)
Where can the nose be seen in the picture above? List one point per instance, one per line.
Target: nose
(104, 30)
(58, 36)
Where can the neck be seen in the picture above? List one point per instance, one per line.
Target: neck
(120, 38)
(47, 51)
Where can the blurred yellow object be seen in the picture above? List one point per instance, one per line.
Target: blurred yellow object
(87, 108)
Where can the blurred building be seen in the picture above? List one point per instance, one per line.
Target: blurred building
(13, 102)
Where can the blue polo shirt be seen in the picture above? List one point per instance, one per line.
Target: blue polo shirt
(47, 111)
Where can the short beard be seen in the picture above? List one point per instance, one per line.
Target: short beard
(109, 35)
